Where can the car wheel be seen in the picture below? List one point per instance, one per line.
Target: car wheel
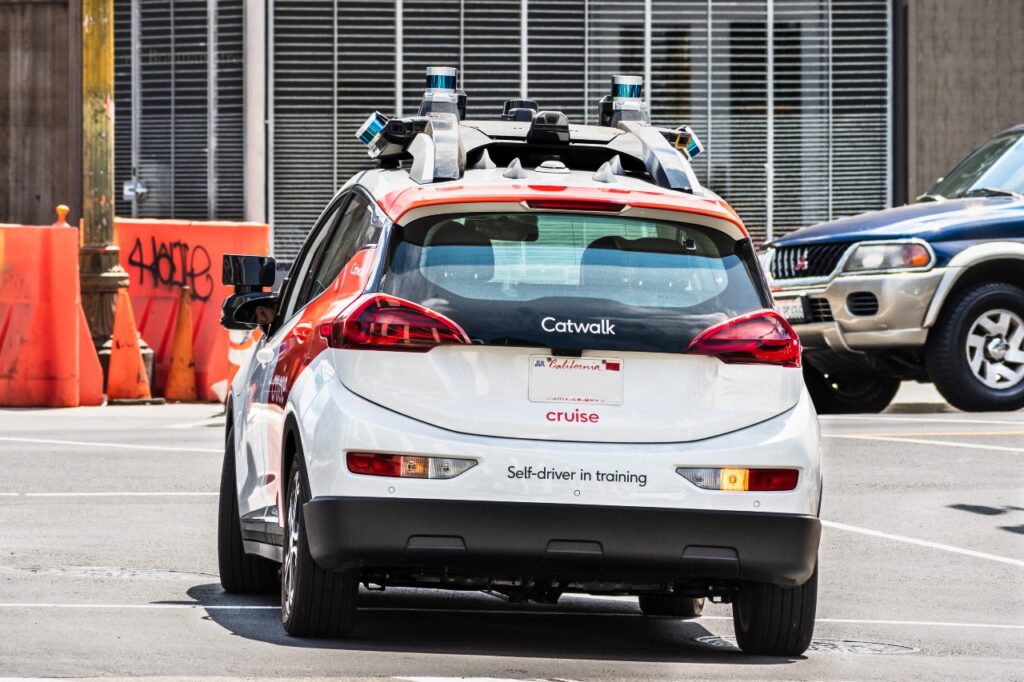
(314, 602)
(240, 573)
(675, 605)
(975, 352)
(847, 393)
(770, 620)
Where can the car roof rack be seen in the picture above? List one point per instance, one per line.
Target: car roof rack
(441, 144)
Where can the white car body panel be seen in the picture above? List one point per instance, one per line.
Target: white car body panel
(484, 391)
(333, 420)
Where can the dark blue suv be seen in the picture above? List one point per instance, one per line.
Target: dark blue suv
(932, 291)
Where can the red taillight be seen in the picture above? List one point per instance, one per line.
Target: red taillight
(763, 337)
(773, 479)
(383, 322)
(573, 205)
(374, 465)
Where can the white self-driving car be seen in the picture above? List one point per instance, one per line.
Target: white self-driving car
(526, 357)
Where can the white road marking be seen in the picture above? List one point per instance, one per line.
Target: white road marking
(924, 441)
(897, 418)
(126, 446)
(456, 610)
(115, 494)
(922, 543)
(208, 422)
(480, 679)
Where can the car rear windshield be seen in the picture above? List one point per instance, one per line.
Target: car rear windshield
(574, 281)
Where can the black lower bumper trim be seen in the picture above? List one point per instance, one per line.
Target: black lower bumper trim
(560, 541)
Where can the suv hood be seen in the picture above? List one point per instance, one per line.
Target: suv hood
(926, 220)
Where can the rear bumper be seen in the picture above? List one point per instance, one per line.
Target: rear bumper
(560, 541)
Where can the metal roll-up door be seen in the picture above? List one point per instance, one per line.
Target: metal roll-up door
(556, 56)
(861, 151)
(800, 167)
(430, 37)
(790, 97)
(492, 68)
(303, 119)
(178, 95)
(679, 69)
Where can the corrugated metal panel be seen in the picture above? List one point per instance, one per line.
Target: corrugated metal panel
(859, 105)
(556, 56)
(491, 51)
(615, 45)
(709, 65)
(430, 37)
(123, 115)
(230, 123)
(737, 138)
(173, 136)
(303, 118)
(800, 180)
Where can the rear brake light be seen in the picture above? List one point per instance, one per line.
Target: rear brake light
(383, 322)
(741, 480)
(407, 466)
(763, 337)
(573, 205)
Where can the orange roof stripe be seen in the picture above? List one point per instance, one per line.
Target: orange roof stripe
(398, 203)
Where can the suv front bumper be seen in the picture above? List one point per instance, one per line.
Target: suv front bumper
(903, 300)
(560, 541)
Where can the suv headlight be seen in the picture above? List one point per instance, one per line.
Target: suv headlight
(900, 256)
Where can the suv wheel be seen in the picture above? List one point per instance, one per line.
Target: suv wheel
(314, 602)
(675, 605)
(770, 620)
(240, 573)
(975, 352)
(847, 393)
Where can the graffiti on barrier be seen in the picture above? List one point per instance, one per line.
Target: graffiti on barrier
(174, 264)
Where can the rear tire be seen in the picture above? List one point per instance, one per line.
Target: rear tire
(674, 605)
(845, 393)
(770, 620)
(240, 573)
(314, 602)
(969, 346)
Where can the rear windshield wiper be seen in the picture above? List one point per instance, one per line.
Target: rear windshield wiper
(990, 192)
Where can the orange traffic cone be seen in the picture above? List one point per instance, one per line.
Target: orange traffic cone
(90, 373)
(181, 378)
(126, 377)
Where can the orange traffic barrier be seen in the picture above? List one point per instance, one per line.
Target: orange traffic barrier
(126, 376)
(90, 372)
(160, 257)
(181, 378)
(39, 316)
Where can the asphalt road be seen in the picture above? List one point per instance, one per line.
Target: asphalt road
(108, 569)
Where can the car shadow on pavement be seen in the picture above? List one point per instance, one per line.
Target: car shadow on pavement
(428, 621)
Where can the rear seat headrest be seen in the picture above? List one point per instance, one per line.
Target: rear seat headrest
(460, 253)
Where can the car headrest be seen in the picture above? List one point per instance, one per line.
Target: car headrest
(456, 252)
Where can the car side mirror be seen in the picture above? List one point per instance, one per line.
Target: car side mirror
(251, 272)
(250, 306)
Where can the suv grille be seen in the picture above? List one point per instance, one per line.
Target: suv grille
(791, 262)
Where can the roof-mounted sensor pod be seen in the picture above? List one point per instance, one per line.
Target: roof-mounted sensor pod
(440, 95)
(371, 133)
(625, 103)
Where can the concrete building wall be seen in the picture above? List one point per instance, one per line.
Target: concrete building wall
(965, 80)
(40, 109)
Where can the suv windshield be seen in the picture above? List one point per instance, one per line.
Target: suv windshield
(996, 167)
(573, 281)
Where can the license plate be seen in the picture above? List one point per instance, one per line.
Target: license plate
(597, 381)
(792, 309)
